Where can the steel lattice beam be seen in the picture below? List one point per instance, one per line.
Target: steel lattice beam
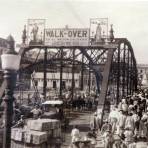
(122, 75)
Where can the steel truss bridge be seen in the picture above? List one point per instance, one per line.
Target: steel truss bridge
(113, 64)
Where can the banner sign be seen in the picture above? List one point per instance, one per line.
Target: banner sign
(67, 37)
(38, 34)
(36, 31)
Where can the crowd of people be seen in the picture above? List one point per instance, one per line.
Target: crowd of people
(126, 124)
(82, 102)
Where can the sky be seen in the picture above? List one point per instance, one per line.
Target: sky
(129, 18)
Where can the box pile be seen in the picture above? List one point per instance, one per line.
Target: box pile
(40, 133)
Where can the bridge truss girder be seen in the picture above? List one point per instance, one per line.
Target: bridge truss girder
(122, 70)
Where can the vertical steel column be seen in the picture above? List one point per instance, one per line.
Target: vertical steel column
(82, 72)
(132, 88)
(127, 70)
(123, 72)
(118, 76)
(45, 74)
(61, 72)
(135, 77)
(130, 82)
(98, 79)
(73, 76)
(89, 80)
(89, 76)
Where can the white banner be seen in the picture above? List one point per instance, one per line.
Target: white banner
(67, 37)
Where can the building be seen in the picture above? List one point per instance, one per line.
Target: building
(53, 81)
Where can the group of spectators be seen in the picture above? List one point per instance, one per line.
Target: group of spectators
(82, 103)
(127, 122)
(125, 126)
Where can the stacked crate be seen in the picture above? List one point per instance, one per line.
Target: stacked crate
(41, 133)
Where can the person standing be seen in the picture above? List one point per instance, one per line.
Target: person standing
(93, 122)
(98, 119)
(143, 126)
(129, 122)
(136, 119)
(106, 132)
(129, 130)
(75, 136)
(121, 122)
(36, 112)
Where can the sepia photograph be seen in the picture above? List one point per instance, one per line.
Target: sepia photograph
(73, 74)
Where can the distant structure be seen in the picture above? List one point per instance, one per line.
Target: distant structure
(53, 80)
(24, 35)
(143, 75)
(111, 33)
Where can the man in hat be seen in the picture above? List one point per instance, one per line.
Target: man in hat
(136, 119)
(113, 118)
(121, 122)
(36, 112)
(123, 105)
(75, 134)
(129, 130)
(144, 125)
(129, 122)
